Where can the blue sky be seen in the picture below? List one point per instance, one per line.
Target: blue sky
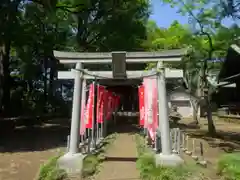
(164, 15)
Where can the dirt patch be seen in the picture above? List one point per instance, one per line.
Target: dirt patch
(226, 141)
(23, 149)
(23, 165)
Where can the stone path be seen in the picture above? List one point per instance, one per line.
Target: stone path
(120, 163)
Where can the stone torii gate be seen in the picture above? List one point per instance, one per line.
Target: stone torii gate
(72, 160)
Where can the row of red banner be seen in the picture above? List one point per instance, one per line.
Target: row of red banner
(107, 102)
(148, 105)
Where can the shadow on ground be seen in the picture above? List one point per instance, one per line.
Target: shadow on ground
(228, 141)
(124, 124)
(36, 138)
(121, 159)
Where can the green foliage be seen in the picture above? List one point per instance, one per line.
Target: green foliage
(90, 165)
(175, 37)
(31, 31)
(50, 171)
(122, 22)
(205, 19)
(148, 169)
(229, 166)
(195, 38)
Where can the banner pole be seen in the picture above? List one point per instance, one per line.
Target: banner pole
(92, 123)
(89, 140)
(94, 115)
(104, 117)
(82, 118)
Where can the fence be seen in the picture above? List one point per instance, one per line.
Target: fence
(183, 145)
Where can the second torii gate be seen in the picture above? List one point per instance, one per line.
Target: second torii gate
(72, 161)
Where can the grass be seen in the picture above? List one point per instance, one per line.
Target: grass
(229, 166)
(50, 171)
(149, 171)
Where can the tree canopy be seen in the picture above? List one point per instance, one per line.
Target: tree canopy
(31, 30)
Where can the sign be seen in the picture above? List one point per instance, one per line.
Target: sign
(119, 65)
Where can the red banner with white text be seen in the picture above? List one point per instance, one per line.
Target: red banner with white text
(141, 105)
(109, 105)
(89, 109)
(153, 124)
(151, 106)
(155, 105)
(100, 103)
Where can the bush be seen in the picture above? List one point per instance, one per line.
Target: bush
(148, 169)
(229, 166)
(50, 171)
(90, 164)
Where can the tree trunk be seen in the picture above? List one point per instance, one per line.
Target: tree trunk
(211, 126)
(206, 93)
(195, 106)
(53, 70)
(45, 93)
(5, 76)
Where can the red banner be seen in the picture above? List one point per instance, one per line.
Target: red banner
(83, 110)
(117, 101)
(109, 105)
(113, 107)
(155, 105)
(104, 106)
(141, 105)
(150, 105)
(146, 101)
(89, 110)
(100, 101)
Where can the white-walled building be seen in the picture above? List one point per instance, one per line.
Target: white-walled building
(182, 100)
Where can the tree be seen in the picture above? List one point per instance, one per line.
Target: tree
(205, 20)
(31, 30)
(103, 23)
(175, 37)
(9, 25)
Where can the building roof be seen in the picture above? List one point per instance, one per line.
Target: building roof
(230, 68)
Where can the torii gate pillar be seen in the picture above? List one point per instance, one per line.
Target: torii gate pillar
(72, 161)
(166, 157)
